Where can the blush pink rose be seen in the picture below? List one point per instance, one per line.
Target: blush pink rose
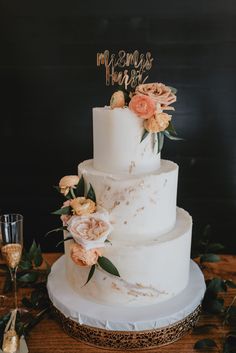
(143, 106)
(159, 92)
(83, 257)
(90, 231)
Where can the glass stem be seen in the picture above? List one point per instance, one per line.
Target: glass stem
(13, 272)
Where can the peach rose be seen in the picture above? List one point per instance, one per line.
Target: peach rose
(159, 92)
(117, 100)
(67, 182)
(143, 106)
(157, 123)
(83, 257)
(90, 231)
(82, 206)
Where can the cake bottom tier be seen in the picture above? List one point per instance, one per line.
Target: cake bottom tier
(149, 273)
(121, 327)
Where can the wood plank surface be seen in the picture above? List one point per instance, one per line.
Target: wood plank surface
(48, 336)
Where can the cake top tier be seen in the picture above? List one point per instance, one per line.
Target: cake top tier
(128, 135)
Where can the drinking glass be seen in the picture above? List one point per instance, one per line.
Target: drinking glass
(11, 235)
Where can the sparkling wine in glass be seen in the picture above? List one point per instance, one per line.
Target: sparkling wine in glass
(11, 235)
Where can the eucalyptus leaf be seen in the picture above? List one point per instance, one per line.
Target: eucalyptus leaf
(62, 211)
(28, 277)
(80, 187)
(209, 258)
(171, 137)
(108, 266)
(205, 343)
(145, 134)
(60, 229)
(91, 194)
(63, 240)
(91, 273)
(160, 141)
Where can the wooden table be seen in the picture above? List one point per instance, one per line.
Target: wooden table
(48, 337)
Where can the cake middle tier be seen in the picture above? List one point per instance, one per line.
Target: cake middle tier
(141, 207)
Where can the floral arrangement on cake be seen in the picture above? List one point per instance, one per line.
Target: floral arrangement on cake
(84, 223)
(149, 101)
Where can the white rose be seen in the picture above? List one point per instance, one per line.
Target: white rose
(91, 230)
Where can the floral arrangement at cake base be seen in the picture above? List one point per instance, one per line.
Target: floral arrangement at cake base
(86, 224)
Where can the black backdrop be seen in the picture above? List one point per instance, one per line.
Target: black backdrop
(49, 83)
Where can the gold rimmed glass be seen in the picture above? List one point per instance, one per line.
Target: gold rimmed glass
(11, 235)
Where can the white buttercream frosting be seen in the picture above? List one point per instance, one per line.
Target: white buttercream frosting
(141, 207)
(117, 135)
(151, 272)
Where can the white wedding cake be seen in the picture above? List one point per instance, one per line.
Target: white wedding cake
(150, 239)
(127, 268)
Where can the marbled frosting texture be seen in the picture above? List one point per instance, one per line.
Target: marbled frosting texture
(141, 207)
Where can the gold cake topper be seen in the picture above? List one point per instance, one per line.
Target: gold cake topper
(139, 63)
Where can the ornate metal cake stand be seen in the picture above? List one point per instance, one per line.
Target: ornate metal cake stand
(136, 328)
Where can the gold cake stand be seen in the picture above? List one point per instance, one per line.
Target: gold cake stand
(130, 328)
(130, 340)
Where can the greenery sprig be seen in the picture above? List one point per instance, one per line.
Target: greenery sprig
(32, 275)
(214, 301)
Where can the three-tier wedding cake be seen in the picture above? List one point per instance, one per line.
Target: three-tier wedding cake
(127, 265)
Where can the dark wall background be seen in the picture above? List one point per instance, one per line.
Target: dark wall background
(49, 83)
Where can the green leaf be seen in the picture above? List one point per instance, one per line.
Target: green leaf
(209, 258)
(215, 247)
(160, 141)
(61, 229)
(25, 265)
(205, 343)
(171, 129)
(80, 187)
(171, 137)
(217, 285)
(63, 240)
(108, 266)
(33, 250)
(38, 258)
(90, 275)
(29, 277)
(145, 134)
(230, 283)
(91, 194)
(214, 306)
(63, 210)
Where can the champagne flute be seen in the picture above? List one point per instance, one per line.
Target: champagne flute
(11, 235)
